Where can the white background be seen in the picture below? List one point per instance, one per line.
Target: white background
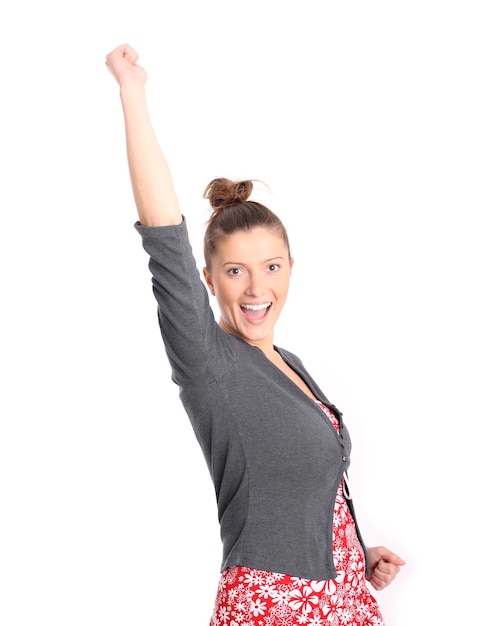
(372, 123)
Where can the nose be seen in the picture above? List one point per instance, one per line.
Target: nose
(256, 285)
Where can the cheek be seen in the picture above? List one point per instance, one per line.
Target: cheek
(283, 287)
(226, 293)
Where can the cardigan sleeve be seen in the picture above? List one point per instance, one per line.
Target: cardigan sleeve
(188, 328)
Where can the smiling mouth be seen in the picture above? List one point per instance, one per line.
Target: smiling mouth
(255, 312)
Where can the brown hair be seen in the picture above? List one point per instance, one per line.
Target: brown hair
(233, 211)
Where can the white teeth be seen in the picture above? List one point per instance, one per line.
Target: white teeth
(256, 307)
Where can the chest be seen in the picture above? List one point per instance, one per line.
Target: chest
(294, 377)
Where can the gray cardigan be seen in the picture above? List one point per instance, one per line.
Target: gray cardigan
(274, 457)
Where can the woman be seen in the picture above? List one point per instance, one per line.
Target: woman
(276, 448)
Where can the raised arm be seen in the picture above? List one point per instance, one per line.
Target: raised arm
(152, 184)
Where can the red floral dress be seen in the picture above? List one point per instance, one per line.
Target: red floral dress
(249, 597)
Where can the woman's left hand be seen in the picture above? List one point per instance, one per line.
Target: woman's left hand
(384, 566)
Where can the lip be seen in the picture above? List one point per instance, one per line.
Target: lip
(258, 320)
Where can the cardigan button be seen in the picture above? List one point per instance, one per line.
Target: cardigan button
(344, 458)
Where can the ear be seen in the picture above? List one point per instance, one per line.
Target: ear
(291, 263)
(208, 280)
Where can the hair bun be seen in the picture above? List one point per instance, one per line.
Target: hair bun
(222, 192)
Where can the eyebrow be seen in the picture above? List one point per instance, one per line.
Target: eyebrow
(275, 258)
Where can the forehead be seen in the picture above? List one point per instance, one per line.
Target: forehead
(258, 244)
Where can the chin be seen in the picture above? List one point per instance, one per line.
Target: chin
(256, 336)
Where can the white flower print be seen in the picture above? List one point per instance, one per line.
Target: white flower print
(355, 554)
(333, 607)
(258, 607)
(230, 575)
(267, 591)
(355, 573)
(303, 599)
(253, 577)
(339, 555)
(328, 587)
(281, 596)
(299, 582)
(272, 577)
(240, 606)
(346, 617)
(223, 614)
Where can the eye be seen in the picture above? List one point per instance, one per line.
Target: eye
(273, 267)
(234, 271)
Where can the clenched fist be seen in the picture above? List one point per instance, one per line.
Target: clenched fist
(122, 64)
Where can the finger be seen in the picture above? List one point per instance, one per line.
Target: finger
(130, 54)
(395, 559)
(377, 583)
(380, 582)
(387, 555)
(387, 570)
(123, 52)
(383, 574)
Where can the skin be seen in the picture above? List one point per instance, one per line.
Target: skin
(384, 566)
(249, 267)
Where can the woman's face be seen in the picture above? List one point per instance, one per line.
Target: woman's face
(249, 276)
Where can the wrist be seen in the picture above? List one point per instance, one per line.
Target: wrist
(133, 99)
(131, 89)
